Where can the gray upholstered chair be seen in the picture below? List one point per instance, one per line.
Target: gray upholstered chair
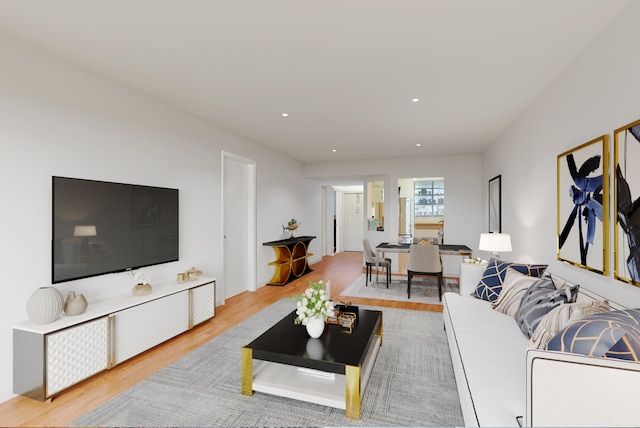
(370, 261)
(424, 260)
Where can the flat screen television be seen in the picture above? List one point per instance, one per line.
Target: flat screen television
(101, 227)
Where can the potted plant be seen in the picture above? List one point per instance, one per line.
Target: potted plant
(313, 307)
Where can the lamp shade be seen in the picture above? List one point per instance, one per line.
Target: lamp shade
(495, 242)
(84, 231)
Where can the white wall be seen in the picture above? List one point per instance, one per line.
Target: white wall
(56, 119)
(463, 190)
(463, 194)
(597, 93)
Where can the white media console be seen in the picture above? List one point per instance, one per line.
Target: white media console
(49, 358)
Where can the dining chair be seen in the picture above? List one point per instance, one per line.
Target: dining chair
(424, 260)
(370, 261)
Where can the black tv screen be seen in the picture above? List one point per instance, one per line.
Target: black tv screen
(102, 227)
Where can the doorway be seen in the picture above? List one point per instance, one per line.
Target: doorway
(353, 223)
(238, 224)
(343, 218)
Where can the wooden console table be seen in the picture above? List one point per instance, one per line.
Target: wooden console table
(291, 259)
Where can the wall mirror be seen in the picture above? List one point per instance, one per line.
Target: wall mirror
(375, 205)
(421, 209)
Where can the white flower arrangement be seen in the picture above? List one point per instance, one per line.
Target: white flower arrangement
(141, 277)
(313, 302)
(477, 260)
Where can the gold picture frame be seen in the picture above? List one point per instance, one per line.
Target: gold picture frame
(626, 142)
(583, 206)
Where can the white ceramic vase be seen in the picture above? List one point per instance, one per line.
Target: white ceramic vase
(45, 305)
(75, 305)
(315, 326)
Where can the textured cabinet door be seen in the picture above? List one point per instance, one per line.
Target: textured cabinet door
(76, 353)
(203, 303)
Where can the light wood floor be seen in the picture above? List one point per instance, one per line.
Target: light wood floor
(340, 269)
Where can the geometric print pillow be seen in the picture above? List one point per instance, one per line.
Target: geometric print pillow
(490, 284)
(561, 316)
(614, 334)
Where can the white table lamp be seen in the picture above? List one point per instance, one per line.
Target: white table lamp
(84, 231)
(495, 242)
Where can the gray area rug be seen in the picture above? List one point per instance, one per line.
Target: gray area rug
(412, 383)
(423, 289)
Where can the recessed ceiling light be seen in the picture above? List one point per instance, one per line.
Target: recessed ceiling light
(333, 150)
(285, 114)
(415, 100)
(418, 145)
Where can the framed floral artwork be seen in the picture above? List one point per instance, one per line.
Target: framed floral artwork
(626, 238)
(583, 205)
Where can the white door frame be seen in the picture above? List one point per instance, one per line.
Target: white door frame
(249, 193)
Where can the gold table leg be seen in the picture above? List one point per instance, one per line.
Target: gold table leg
(247, 371)
(353, 391)
(379, 330)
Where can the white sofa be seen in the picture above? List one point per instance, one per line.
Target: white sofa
(503, 382)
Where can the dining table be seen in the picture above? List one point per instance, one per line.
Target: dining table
(445, 250)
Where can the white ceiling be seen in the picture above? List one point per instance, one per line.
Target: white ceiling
(344, 70)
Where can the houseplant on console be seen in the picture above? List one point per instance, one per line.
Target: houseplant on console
(291, 226)
(313, 308)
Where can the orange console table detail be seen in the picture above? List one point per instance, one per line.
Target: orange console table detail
(291, 259)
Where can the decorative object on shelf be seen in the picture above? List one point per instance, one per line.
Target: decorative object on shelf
(313, 308)
(45, 305)
(193, 273)
(75, 305)
(182, 278)
(291, 226)
(143, 287)
(344, 315)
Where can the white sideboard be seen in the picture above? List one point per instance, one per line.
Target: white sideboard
(49, 358)
(470, 275)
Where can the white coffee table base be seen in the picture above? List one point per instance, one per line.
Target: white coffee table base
(327, 389)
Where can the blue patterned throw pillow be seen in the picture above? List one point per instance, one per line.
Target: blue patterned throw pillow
(490, 284)
(614, 334)
(540, 299)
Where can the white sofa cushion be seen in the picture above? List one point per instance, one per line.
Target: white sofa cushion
(492, 352)
(515, 286)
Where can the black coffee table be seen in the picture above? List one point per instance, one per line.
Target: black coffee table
(332, 370)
